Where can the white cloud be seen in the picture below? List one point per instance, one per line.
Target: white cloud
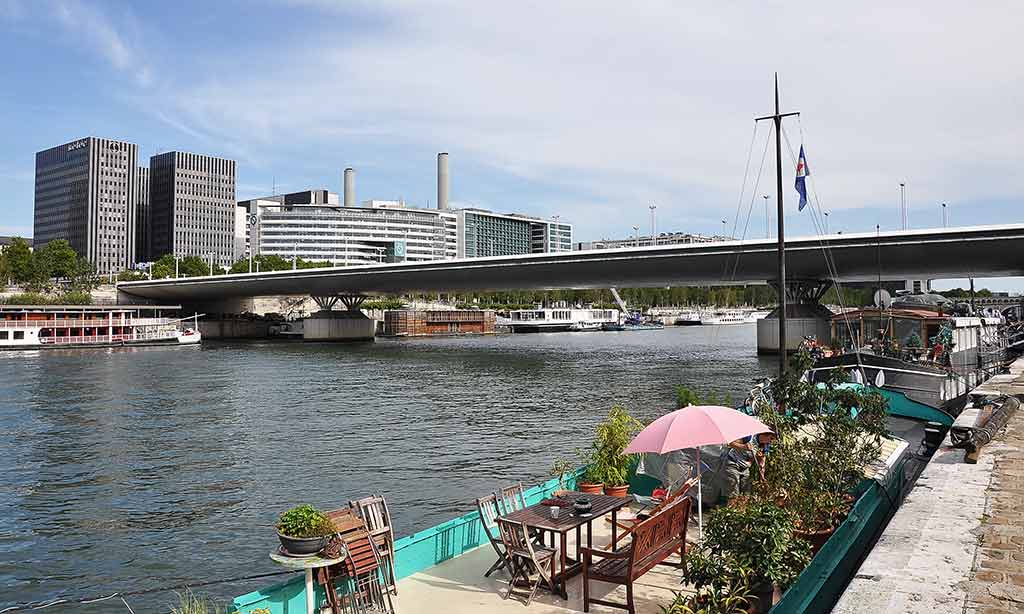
(107, 37)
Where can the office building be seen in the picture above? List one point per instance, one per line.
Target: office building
(665, 238)
(484, 233)
(86, 194)
(143, 244)
(313, 226)
(192, 206)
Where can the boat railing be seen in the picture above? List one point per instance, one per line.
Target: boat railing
(79, 323)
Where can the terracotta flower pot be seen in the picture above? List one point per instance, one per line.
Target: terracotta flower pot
(616, 491)
(592, 489)
(817, 539)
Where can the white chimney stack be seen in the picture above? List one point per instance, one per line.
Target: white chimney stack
(350, 188)
(442, 181)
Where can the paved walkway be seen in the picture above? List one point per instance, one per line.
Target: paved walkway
(956, 546)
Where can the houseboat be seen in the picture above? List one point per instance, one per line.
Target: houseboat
(553, 320)
(35, 327)
(924, 350)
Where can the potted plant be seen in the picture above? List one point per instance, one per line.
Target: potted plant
(606, 463)
(303, 530)
(732, 597)
(592, 480)
(559, 468)
(754, 542)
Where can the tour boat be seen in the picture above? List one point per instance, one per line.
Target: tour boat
(923, 350)
(688, 318)
(561, 319)
(724, 317)
(35, 327)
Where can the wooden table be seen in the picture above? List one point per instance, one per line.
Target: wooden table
(538, 517)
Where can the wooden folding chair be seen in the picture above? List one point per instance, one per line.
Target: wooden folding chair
(487, 507)
(525, 558)
(511, 498)
(374, 512)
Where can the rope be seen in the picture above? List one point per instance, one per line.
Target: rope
(84, 600)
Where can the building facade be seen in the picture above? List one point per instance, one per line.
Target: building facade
(665, 238)
(143, 242)
(86, 193)
(375, 232)
(192, 206)
(484, 233)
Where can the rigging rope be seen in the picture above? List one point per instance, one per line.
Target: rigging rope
(829, 257)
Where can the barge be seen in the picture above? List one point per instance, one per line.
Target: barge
(43, 327)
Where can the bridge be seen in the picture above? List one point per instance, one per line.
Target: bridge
(811, 262)
(978, 251)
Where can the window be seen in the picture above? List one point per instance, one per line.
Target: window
(3, 335)
(19, 334)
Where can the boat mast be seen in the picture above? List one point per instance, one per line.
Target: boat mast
(777, 118)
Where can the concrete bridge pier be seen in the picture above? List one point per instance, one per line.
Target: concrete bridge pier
(329, 324)
(805, 316)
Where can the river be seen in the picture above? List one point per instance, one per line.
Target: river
(128, 469)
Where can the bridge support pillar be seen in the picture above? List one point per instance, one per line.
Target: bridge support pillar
(805, 316)
(349, 324)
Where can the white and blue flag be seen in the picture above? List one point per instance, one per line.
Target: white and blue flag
(802, 171)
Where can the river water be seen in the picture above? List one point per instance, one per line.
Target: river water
(129, 469)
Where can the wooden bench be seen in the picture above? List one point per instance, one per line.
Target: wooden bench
(653, 541)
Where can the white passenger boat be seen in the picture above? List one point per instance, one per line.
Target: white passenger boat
(563, 319)
(35, 327)
(724, 317)
(688, 318)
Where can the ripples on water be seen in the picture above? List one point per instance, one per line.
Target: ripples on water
(127, 469)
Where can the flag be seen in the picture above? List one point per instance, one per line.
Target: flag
(801, 173)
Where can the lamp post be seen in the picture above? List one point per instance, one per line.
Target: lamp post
(943, 215)
(211, 255)
(176, 258)
(826, 222)
(636, 233)
(767, 219)
(725, 231)
(654, 237)
(903, 204)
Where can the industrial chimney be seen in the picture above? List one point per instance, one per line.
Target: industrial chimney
(442, 181)
(350, 188)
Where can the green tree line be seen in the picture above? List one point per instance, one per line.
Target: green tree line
(53, 265)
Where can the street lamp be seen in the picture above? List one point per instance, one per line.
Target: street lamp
(903, 204)
(654, 237)
(636, 233)
(176, 259)
(767, 225)
(826, 222)
(724, 230)
(943, 215)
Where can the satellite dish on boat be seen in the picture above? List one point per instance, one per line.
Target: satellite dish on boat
(883, 300)
(880, 379)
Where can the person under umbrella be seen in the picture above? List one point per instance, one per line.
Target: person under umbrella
(693, 427)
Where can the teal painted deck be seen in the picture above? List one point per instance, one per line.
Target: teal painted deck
(818, 587)
(413, 553)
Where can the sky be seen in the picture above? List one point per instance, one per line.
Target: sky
(592, 111)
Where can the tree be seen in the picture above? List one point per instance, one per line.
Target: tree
(56, 259)
(19, 260)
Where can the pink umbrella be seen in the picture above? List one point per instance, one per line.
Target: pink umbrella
(693, 427)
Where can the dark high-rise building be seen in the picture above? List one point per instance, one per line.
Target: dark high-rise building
(192, 206)
(85, 193)
(143, 244)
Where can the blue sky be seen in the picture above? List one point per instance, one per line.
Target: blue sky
(585, 110)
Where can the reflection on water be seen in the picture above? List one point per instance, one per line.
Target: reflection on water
(126, 469)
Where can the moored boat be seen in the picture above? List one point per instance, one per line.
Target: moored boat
(724, 317)
(555, 320)
(916, 347)
(35, 327)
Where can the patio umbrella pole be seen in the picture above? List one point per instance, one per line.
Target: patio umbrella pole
(700, 501)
